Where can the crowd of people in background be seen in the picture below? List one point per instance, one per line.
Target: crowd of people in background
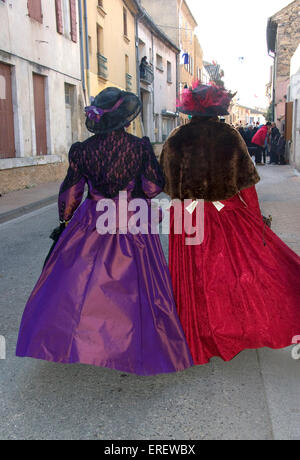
(263, 142)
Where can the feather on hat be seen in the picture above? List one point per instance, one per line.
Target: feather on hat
(205, 100)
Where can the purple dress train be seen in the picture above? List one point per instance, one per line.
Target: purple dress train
(106, 300)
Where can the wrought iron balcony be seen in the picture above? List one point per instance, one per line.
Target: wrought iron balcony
(102, 66)
(146, 74)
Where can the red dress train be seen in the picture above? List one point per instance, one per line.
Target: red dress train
(239, 289)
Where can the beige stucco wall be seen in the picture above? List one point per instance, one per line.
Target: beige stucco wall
(187, 40)
(114, 47)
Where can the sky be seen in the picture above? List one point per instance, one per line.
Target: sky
(231, 29)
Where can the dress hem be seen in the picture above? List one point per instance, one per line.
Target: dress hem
(227, 360)
(111, 366)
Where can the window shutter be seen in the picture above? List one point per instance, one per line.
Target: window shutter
(73, 20)
(35, 10)
(289, 109)
(59, 18)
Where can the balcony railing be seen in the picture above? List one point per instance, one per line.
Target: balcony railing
(102, 66)
(146, 74)
(128, 82)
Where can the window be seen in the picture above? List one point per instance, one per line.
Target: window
(59, 18)
(66, 18)
(125, 22)
(167, 127)
(169, 72)
(159, 62)
(70, 98)
(199, 74)
(102, 60)
(126, 63)
(35, 10)
(100, 49)
(128, 77)
(191, 65)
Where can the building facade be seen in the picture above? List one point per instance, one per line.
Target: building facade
(294, 100)
(242, 115)
(283, 38)
(176, 20)
(41, 100)
(109, 47)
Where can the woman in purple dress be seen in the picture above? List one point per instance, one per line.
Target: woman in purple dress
(106, 300)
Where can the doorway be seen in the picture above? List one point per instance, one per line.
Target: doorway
(40, 114)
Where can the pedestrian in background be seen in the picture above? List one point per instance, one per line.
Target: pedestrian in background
(259, 140)
(275, 135)
(249, 133)
(238, 289)
(143, 65)
(281, 150)
(242, 132)
(255, 127)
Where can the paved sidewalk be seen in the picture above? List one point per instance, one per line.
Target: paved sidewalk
(279, 194)
(15, 204)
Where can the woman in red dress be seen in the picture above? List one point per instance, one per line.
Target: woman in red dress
(240, 288)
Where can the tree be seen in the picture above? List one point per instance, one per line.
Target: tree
(269, 114)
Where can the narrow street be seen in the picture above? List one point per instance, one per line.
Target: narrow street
(256, 396)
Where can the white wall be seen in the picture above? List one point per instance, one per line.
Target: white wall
(37, 42)
(294, 95)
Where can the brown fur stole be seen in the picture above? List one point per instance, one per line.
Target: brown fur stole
(208, 160)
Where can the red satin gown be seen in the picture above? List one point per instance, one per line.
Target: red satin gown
(239, 289)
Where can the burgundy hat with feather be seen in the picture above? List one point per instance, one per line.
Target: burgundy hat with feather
(204, 100)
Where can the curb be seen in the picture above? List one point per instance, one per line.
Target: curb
(18, 212)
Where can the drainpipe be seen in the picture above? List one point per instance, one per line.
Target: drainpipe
(87, 52)
(274, 88)
(138, 84)
(153, 87)
(81, 49)
(138, 17)
(178, 58)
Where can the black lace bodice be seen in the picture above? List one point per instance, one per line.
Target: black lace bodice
(111, 161)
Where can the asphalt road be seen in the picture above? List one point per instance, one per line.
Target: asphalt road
(256, 396)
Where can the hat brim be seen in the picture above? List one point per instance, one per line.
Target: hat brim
(118, 119)
(212, 112)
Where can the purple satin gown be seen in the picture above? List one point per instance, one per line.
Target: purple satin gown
(106, 300)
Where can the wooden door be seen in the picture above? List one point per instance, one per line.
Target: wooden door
(289, 121)
(40, 114)
(7, 133)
